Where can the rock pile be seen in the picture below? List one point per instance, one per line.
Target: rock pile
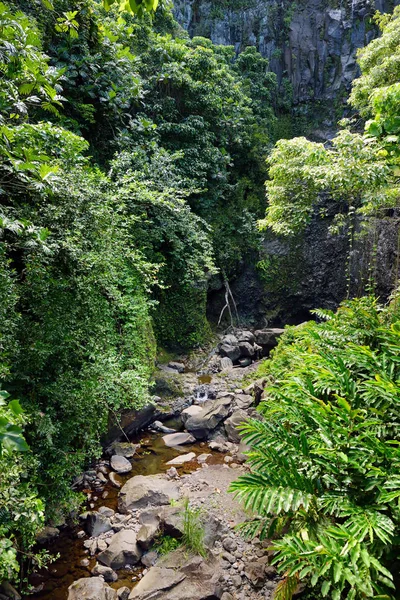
(241, 348)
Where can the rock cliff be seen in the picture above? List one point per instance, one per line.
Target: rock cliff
(310, 43)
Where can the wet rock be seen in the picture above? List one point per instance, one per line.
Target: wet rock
(120, 464)
(178, 439)
(123, 550)
(158, 426)
(124, 449)
(212, 414)
(123, 593)
(177, 366)
(47, 534)
(106, 572)
(91, 588)
(231, 424)
(115, 480)
(231, 352)
(191, 411)
(203, 458)
(143, 491)
(96, 524)
(85, 562)
(106, 511)
(182, 459)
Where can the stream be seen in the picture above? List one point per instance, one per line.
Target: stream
(150, 459)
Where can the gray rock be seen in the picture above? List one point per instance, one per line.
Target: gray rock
(229, 544)
(123, 550)
(150, 528)
(47, 534)
(244, 362)
(243, 401)
(143, 491)
(182, 459)
(124, 449)
(226, 363)
(172, 473)
(120, 464)
(232, 423)
(212, 414)
(255, 571)
(226, 596)
(268, 337)
(191, 411)
(106, 511)
(155, 583)
(96, 524)
(150, 559)
(246, 336)
(177, 366)
(91, 588)
(178, 439)
(160, 427)
(246, 349)
(123, 593)
(231, 352)
(106, 572)
(230, 339)
(115, 480)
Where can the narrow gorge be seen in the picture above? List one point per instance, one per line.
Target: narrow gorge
(199, 299)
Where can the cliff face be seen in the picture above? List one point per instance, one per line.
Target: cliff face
(312, 43)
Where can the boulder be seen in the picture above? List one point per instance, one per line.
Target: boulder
(213, 412)
(256, 389)
(171, 520)
(91, 588)
(191, 411)
(124, 449)
(243, 401)
(120, 464)
(232, 423)
(147, 490)
(150, 527)
(123, 550)
(177, 578)
(231, 352)
(160, 427)
(150, 559)
(157, 584)
(106, 572)
(246, 336)
(182, 459)
(178, 439)
(255, 571)
(230, 339)
(268, 337)
(225, 363)
(115, 480)
(177, 366)
(47, 534)
(244, 362)
(246, 349)
(123, 593)
(97, 523)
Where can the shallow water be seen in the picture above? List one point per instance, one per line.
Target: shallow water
(150, 459)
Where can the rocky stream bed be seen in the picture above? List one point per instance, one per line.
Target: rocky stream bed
(189, 451)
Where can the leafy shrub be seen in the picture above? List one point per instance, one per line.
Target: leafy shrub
(325, 458)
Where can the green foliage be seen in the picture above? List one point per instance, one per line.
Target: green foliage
(166, 544)
(360, 171)
(325, 459)
(193, 530)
